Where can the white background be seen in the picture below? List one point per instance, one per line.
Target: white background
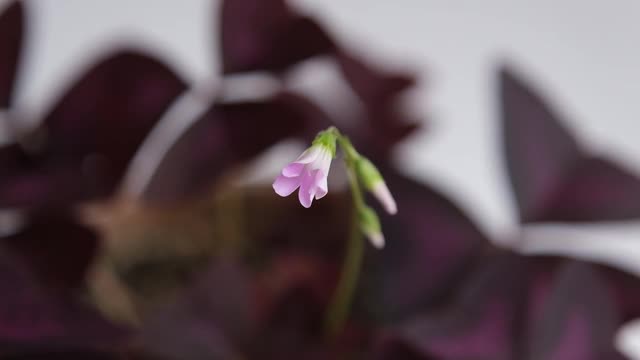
(583, 53)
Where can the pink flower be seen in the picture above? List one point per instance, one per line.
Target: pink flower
(309, 173)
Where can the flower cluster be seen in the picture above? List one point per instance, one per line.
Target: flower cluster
(310, 170)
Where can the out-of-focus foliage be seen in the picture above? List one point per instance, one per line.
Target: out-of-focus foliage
(202, 266)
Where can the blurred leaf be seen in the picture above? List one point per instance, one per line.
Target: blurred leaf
(430, 245)
(483, 320)
(267, 35)
(210, 321)
(34, 323)
(553, 179)
(625, 289)
(578, 319)
(11, 33)
(84, 145)
(380, 92)
(227, 135)
(110, 110)
(596, 189)
(518, 307)
(57, 249)
(374, 86)
(276, 224)
(65, 355)
(538, 149)
(295, 289)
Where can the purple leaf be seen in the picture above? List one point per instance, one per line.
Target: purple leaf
(539, 150)
(430, 244)
(482, 322)
(518, 307)
(225, 136)
(267, 35)
(107, 114)
(380, 92)
(57, 249)
(596, 190)
(41, 189)
(578, 319)
(11, 32)
(34, 322)
(210, 321)
(552, 177)
(84, 145)
(625, 290)
(374, 86)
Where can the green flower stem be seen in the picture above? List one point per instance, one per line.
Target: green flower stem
(340, 305)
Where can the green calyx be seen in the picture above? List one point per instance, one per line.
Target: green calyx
(368, 173)
(369, 221)
(326, 139)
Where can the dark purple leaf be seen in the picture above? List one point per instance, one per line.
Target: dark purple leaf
(625, 289)
(387, 123)
(539, 149)
(552, 178)
(57, 249)
(65, 355)
(106, 115)
(34, 322)
(482, 322)
(595, 190)
(225, 136)
(518, 307)
(31, 187)
(267, 35)
(295, 289)
(578, 319)
(210, 321)
(430, 244)
(375, 87)
(11, 33)
(84, 145)
(386, 127)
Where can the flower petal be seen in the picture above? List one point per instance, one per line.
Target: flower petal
(285, 186)
(321, 187)
(294, 169)
(309, 155)
(306, 186)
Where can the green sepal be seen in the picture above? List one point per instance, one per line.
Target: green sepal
(326, 139)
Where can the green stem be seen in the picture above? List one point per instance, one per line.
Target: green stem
(338, 310)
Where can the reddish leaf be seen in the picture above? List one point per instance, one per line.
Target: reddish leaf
(11, 33)
(375, 87)
(552, 178)
(58, 250)
(33, 323)
(539, 150)
(430, 244)
(596, 190)
(387, 123)
(267, 35)
(224, 136)
(109, 111)
(210, 321)
(518, 307)
(84, 145)
(625, 290)
(578, 319)
(42, 189)
(483, 320)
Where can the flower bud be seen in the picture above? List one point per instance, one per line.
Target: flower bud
(374, 183)
(370, 226)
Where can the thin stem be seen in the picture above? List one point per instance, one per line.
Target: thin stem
(338, 311)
